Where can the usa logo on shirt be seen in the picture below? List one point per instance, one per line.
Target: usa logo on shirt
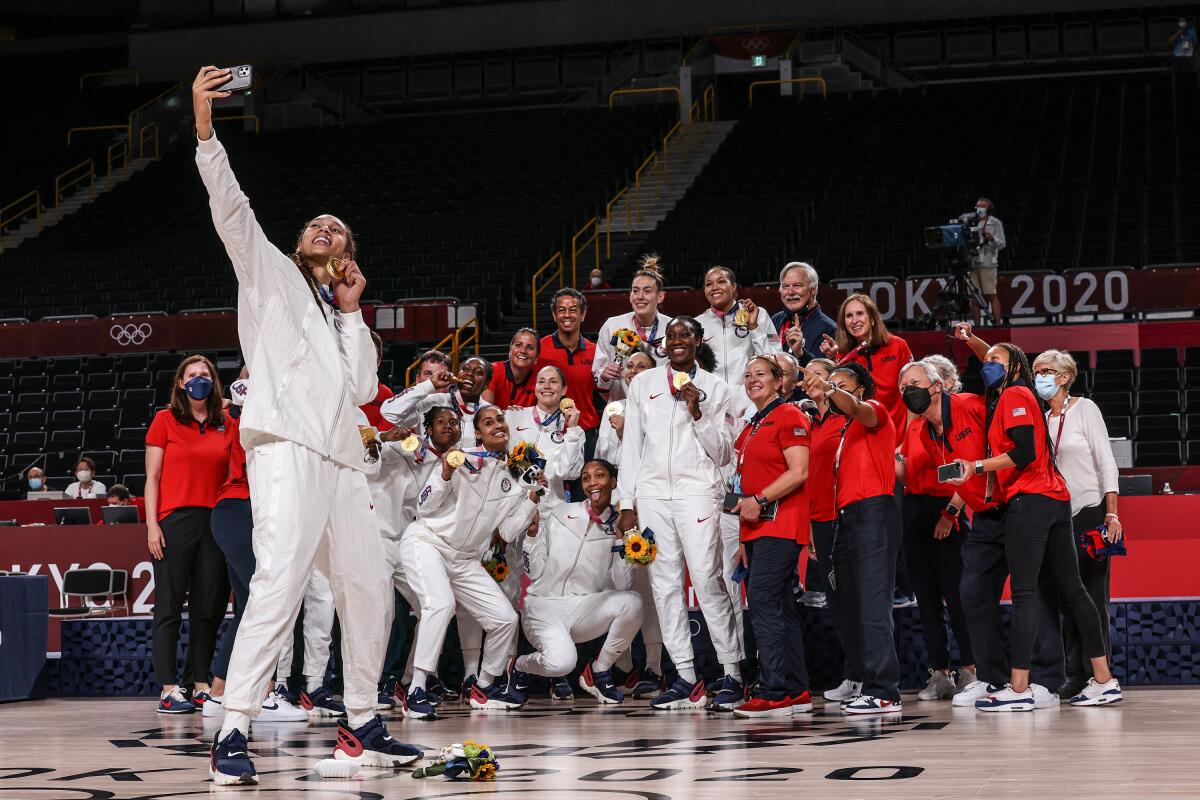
(1019, 412)
(424, 495)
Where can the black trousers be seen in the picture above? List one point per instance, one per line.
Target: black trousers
(822, 540)
(192, 566)
(864, 568)
(935, 566)
(1095, 576)
(985, 570)
(1037, 531)
(775, 617)
(232, 528)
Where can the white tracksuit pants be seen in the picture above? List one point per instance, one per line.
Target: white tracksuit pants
(444, 579)
(309, 510)
(318, 631)
(555, 624)
(687, 532)
(731, 540)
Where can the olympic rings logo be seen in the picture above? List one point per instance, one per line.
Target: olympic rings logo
(126, 335)
(756, 44)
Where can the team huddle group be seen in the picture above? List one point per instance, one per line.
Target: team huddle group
(726, 450)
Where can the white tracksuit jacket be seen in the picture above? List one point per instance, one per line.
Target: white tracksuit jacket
(604, 349)
(408, 409)
(733, 351)
(571, 556)
(291, 347)
(396, 480)
(460, 515)
(564, 457)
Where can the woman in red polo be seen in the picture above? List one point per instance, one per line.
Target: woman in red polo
(187, 462)
(772, 467)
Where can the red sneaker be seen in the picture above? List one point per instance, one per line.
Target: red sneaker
(802, 703)
(758, 707)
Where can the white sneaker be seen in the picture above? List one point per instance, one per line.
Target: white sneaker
(277, 708)
(868, 705)
(975, 690)
(1098, 694)
(1043, 697)
(1007, 700)
(213, 706)
(847, 690)
(940, 686)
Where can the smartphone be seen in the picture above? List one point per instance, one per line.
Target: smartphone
(740, 573)
(240, 79)
(949, 472)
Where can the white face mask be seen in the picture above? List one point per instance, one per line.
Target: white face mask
(83, 475)
(980, 211)
(1046, 386)
(596, 280)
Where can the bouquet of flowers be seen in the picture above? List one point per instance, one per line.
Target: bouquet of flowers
(637, 547)
(625, 343)
(496, 564)
(527, 463)
(468, 760)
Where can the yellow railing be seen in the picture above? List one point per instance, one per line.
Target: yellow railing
(536, 289)
(710, 103)
(819, 81)
(74, 131)
(593, 241)
(151, 102)
(608, 207)
(122, 148)
(456, 340)
(651, 90)
(232, 117)
(86, 170)
(21, 208)
(153, 127)
(651, 159)
(137, 76)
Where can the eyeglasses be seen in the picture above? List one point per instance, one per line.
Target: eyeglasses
(1048, 371)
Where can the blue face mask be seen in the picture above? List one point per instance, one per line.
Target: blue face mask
(198, 388)
(993, 373)
(35, 483)
(1046, 386)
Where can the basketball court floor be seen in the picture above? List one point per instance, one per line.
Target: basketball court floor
(1145, 747)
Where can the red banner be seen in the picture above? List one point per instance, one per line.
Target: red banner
(745, 46)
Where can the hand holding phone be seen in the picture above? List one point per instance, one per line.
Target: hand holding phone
(949, 472)
(240, 78)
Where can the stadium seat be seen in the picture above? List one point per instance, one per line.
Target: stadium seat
(1157, 454)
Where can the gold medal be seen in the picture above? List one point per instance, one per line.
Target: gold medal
(565, 403)
(335, 269)
(742, 318)
(681, 380)
(410, 443)
(614, 408)
(369, 436)
(456, 458)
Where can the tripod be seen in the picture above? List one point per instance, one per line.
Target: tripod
(957, 296)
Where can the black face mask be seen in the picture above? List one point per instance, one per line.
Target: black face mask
(916, 399)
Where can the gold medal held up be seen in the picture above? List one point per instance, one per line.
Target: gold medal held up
(369, 435)
(614, 408)
(741, 318)
(680, 380)
(565, 403)
(456, 458)
(336, 269)
(410, 443)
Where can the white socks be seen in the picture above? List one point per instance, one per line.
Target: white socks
(688, 673)
(654, 658)
(418, 679)
(312, 684)
(733, 670)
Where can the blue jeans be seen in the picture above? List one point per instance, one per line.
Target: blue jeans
(232, 525)
(775, 617)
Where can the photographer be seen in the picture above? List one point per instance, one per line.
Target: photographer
(984, 261)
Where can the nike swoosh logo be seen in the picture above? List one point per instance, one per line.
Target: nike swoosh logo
(238, 753)
(702, 521)
(274, 707)
(654, 396)
(570, 517)
(522, 429)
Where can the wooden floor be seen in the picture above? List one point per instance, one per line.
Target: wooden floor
(1146, 747)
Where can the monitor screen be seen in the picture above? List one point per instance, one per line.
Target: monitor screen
(79, 515)
(119, 515)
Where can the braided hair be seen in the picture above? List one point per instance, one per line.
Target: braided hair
(298, 259)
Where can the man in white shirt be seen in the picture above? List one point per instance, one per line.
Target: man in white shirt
(984, 263)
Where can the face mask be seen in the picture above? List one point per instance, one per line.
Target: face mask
(198, 388)
(35, 483)
(595, 281)
(980, 211)
(993, 373)
(1046, 386)
(917, 399)
(83, 476)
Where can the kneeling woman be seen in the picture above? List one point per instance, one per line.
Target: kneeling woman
(457, 511)
(772, 468)
(569, 563)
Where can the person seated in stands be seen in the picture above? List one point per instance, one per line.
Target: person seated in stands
(35, 477)
(596, 280)
(84, 487)
(118, 495)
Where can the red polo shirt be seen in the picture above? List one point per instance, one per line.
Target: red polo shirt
(867, 459)
(826, 435)
(1016, 407)
(371, 409)
(507, 392)
(884, 363)
(964, 428)
(195, 461)
(920, 466)
(760, 454)
(577, 366)
(236, 486)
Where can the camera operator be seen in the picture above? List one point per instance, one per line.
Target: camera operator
(984, 261)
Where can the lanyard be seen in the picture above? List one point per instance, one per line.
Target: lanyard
(604, 524)
(648, 338)
(671, 379)
(1062, 423)
(326, 295)
(548, 421)
(837, 462)
(755, 422)
(482, 456)
(462, 406)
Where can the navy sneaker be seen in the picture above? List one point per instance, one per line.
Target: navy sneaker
(600, 685)
(385, 701)
(416, 705)
(497, 697)
(729, 695)
(682, 695)
(436, 691)
(467, 684)
(371, 746)
(868, 705)
(560, 689)
(518, 680)
(650, 684)
(175, 702)
(282, 690)
(321, 703)
(229, 761)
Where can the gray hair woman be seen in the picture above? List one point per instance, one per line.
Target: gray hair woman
(1084, 457)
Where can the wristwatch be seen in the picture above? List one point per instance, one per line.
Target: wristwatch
(978, 467)
(950, 509)
(762, 500)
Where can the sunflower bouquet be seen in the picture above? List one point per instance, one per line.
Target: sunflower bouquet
(464, 761)
(625, 343)
(496, 564)
(637, 547)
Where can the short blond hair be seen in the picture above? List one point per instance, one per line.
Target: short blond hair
(946, 369)
(1060, 360)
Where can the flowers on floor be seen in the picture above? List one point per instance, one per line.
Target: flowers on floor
(465, 761)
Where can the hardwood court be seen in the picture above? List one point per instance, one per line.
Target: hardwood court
(1144, 747)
